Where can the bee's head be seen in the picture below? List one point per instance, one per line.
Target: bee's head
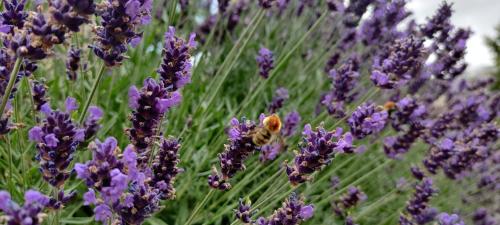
(272, 123)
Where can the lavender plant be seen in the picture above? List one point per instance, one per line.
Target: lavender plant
(396, 129)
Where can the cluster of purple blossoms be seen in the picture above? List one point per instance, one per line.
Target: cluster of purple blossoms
(30, 213)
(266, 4)
(481, 217)
(408, 110)
(447, 219)
(439, 23)
(124, 191)
(386, 16)
(281, 95)
(239, 148)
(120, 20)
(39, 95)
(175, 69)
(397, 63)
(164, 168)
(367, 119)
(243, 212)
(407, 119)
(417, 173)
(317, 150)
(234, 13)
(344, 79)
(91, 124)
(418, 206)
(293, 212)
(149, 104)
(265, 59)
(57, 139)
(73, 63)
(349, 200)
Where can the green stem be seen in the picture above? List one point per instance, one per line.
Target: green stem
(10, 85)
(92, 93)
(198, 207)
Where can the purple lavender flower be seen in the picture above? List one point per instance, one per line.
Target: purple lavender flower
(281, 95)
(395, 146)
(408, 110)
(123, 190)
(265, 59)
(57, 139)
(239, 148)
(349, 200)
(335, 5)
(215, 181)
(270, 152)
(91, 125)
(165, 168)
(367, 119)
(317, 150)
(13, 14)
(243, 212)
(440, 22)
(481, 217)
(234, 15)
(450, 58)
(397, 63)
(293, 212)
(417, 173)
(120, 20)
(349, 221)
(418, 206)
(354, 11)
(447, 219)
(30, 213)
(72, 14)
(39, 95)
(266, 4)
(175, 69)
(149, 105)
(222, 6)
(382, 23)
(292, 120)
(73, 63)
(343, 81)
(332, 62)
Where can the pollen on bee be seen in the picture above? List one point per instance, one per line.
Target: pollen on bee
(272, 123)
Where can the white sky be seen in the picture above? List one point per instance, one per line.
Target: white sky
(480, 15)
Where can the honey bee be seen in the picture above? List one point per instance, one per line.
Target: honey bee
(270, 129)
(389, 105)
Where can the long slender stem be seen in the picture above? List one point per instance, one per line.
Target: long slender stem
(198, 207)
(92, 92)
(10, 85)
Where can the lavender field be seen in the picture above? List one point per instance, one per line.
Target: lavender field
(261, 112)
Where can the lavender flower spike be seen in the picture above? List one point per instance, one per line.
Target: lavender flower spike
(175, 69)
(397, 63)
(165, 168)
(293, 212)
(447, 219)
(317, 150)
(281, 95)
(118, 28)
(243, 212)
(265, 59)
(418, 206)
(349, 200)
(30, 213)
(292, 120)
(57, 139)
(239, 148)
(149, 105)
(367, 119)
(73, 63)
(344, 80)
